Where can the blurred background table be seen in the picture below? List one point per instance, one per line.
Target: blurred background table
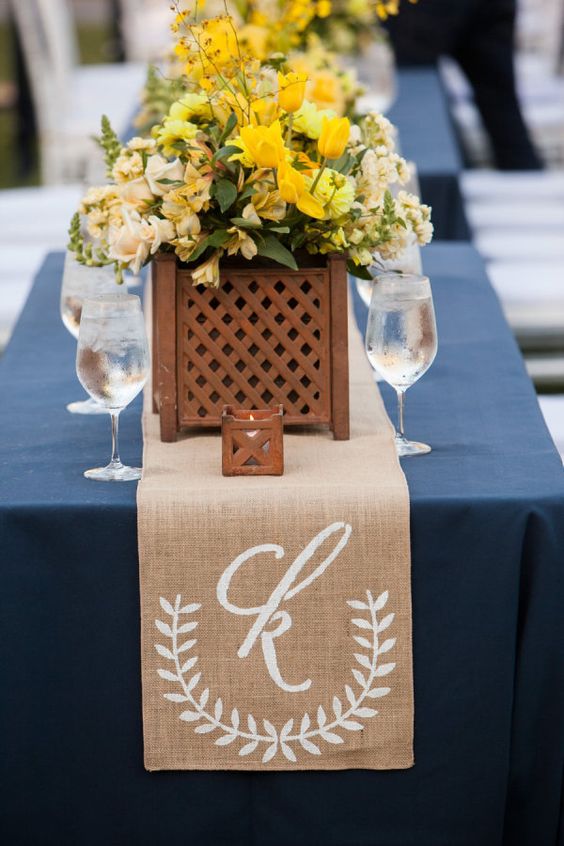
(487, 513)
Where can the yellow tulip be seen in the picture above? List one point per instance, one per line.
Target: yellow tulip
(334, 137)
(263, 144)
(291, 90)
(291, 183)
(292, 188)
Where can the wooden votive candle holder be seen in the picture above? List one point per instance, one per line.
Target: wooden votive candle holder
(252, 442)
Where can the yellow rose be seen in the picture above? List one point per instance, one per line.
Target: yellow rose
(291, 90)
(334, 137)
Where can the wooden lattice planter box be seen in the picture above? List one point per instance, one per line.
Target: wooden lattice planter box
(268, 336)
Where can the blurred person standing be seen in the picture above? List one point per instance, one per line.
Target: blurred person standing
(479, 35)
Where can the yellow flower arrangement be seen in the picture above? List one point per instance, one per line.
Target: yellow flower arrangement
(243, 163)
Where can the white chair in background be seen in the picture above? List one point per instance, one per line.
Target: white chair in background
(33, 222)
(145, 29)
(552, 408)
(69, 99)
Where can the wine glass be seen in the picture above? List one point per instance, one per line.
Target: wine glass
(112, 364)
(401, 339)
(80, 282)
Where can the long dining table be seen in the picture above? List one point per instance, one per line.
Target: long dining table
(487, 542)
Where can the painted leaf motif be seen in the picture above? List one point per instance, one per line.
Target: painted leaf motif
(363, 660)
(225, 739)
(189, 609)
(365, 712)
(185, 646)
(358, 606)
(270, 753)
(218, 710)
(175, 697)
(350, 695)
(193, 682)
(352, 725)
(189, 664)
(164, 628)
(166, 606)
(288, 752)
(337, 707)
(248, 748)
(167, 675)
(287, 728)
(189, 716)
(381, 601)
(309, 746)
(362, 624)
(331, 737)
(321, 717)
(205, 728)
(166, 653)
(384, 669)
(204, 697)
(270, 730)
(235, 718)
(359, 677)
(377, 692)
(387, 645)
(385, 622)
(306, 722)
(251, 722)
(187, 627)
(363, 641)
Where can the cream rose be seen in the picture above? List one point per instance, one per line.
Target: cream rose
(157, 169)
(136, 193)
(129, 243)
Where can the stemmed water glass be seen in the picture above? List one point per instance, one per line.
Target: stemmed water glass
(112, 364)
(79, 283)
(401, 339)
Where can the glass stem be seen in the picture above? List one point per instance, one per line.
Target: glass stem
(400, 396)
(116, 460)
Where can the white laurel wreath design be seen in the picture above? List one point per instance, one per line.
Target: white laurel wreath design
(277, 740)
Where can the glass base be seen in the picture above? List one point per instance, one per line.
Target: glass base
(88, 406)
(405, 448)
(114, 472)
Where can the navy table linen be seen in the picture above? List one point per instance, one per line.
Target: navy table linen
(427, 137)
(487, 533)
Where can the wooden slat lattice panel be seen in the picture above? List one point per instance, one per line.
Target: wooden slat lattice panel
(262, 339)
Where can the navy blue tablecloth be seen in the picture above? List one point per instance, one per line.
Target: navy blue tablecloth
(487, 523)
(428, 138)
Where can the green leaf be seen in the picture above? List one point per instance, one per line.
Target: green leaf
(216, 239)
(249, 191)
(282, 229)
(225, 152)
(359, 270)
(243, 223)
(170, 181)
(226, 193)
(273, 249)
(229, 127)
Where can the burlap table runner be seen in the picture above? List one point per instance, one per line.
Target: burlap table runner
(276, 611)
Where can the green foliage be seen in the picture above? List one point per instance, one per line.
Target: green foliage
(110, 144)
(270, 247)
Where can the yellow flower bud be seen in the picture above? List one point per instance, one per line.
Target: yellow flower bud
(323, 8)
(334, 137)
(291, 90)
